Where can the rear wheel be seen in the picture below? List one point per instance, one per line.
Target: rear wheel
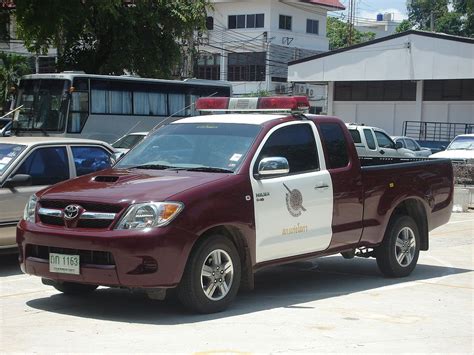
(73, 288)
(212, 276)
(398, 254)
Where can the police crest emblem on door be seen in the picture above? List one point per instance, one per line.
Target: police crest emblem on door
(294, 202)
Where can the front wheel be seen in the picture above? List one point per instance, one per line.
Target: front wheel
(212, 276)
(398, 254)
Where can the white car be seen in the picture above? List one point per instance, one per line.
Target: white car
(29, 164)
(127, 142)
(375, 142)
(460, 150)
(411, 144)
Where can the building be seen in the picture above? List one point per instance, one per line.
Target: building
(411, 76)
(249, 43)
(383, 25)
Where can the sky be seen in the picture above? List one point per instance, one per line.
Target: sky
(368, 9)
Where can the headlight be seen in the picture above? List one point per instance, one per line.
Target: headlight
(149, 215)
(30, 209)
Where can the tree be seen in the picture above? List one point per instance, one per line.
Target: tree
(454, 17)
(405, 25)
(12, 67)
(337, 32)
(143, 37)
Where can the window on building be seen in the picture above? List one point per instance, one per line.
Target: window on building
(285, 22)
(446, 90)
(246, 21)
(248, 66)
(208, 66)
(312, 26)
(295, 143)
(209, 23)
(375, 90)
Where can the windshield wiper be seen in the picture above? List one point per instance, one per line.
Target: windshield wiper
(153, 166)
(210, 169)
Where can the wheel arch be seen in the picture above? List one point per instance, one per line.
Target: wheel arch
(415, 209)
(236, 236)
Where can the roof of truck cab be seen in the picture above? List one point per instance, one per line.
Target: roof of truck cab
(237, 118)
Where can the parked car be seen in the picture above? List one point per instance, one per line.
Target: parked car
(375, 142)
(460, 150)
(127, 142)
(5, 127)
(411, 144)
(243, 191)
(28, 164)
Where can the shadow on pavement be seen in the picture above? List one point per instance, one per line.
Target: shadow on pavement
(9, 265)
(283, 286)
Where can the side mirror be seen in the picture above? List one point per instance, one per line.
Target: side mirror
(398, 145)
(18, 180)
(273, 166)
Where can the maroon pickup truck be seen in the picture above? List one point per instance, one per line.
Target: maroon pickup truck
(204, 202)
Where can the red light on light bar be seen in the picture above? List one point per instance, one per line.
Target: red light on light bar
(212, 103)
(292, 103)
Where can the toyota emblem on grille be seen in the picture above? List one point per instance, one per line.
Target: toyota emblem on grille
(71, 212)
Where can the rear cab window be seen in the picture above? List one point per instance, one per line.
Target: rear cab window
(335, 144)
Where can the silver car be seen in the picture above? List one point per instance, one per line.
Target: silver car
(410, 143)
(28, 164)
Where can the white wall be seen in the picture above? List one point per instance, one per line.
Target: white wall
(409, 57)
(390, 115)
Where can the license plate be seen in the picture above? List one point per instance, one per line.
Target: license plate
(64, 264)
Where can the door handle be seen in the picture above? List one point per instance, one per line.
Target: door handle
(382, 151)
(322, 186)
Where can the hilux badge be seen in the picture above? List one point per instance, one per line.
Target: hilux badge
(294, 202)
(71, 212)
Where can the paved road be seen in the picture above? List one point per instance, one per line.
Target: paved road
(329, 305)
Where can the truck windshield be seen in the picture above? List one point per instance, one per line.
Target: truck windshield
(462, 143)
(222, 146)
(8, 153)
(45, 104)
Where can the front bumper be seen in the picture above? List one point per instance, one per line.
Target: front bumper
(139, 259)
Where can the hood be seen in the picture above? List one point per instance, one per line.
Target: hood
(128, 186)
(454, 154)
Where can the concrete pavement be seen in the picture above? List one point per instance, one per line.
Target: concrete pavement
(327, 305)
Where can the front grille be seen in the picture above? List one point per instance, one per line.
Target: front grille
(55, 221)
(88, 206)
(94, 223)
(92, 257)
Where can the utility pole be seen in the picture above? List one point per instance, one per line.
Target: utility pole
(351, 20)
(431, 21)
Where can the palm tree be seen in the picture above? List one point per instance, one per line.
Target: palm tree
(12, 67)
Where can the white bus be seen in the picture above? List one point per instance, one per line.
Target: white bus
(104, 107)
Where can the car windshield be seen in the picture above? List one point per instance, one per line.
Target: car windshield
(462, 143)
(214, 147)
(128, 141)
(8, 154)
(3, 122)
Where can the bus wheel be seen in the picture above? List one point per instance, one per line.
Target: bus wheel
(212, 276)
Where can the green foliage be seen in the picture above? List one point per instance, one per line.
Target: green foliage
(455, 17)
(405, 25)
(258, 93)
(338, 34)
(111, 36)
(12, 67)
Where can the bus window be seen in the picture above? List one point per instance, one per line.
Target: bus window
(149, 103)
(78, 112)
(177, 104)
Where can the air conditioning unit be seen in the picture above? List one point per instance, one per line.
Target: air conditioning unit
(300, 89)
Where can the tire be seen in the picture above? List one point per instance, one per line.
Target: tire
(398, 254)
(202, 289)
(72, 288)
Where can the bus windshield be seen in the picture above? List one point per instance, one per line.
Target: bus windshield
(45, 104)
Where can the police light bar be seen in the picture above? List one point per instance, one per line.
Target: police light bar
(253, 104)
